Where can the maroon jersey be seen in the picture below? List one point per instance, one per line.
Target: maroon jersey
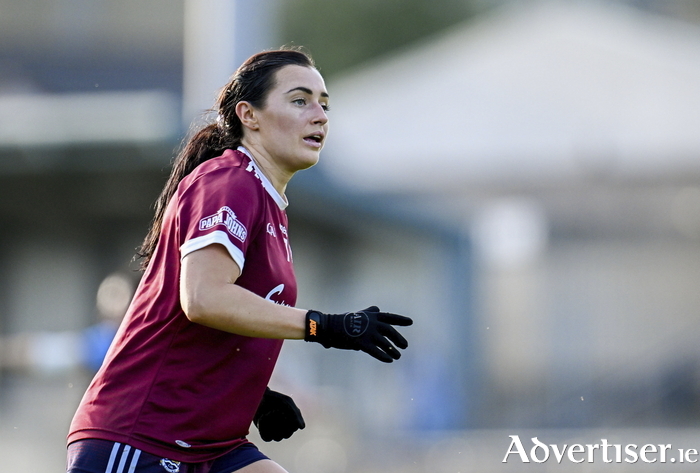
(178, 389)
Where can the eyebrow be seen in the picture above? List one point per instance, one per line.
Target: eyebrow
(307, 91)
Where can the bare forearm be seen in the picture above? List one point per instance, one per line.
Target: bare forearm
(234, 309)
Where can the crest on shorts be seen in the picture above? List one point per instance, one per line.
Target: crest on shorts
(171, 466)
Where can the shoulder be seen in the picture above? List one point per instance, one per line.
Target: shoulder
(232, 170)
(230, 163)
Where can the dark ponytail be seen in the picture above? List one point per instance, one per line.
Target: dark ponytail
(251, 83)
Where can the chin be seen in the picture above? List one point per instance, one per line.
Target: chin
(308, 161)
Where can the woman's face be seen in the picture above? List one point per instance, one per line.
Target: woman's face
(293, 124)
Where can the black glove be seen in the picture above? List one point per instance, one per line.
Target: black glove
(368, 330)
(277, 416)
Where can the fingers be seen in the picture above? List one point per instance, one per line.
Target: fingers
(381, 349)
(380, 345)
(374, 351)
(277, 425)
(277, 433)
(394, 319)
(389, 318)
(392, 334)
(297, 418)
(386, 346)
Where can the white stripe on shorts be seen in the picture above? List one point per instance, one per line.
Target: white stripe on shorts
(134, 460)
(122, 460)
(112, 457)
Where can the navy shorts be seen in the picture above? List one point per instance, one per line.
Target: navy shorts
(105, 456)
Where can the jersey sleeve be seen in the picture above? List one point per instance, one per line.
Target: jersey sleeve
(219, 207)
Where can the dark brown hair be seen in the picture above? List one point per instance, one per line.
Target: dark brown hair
(251, 83)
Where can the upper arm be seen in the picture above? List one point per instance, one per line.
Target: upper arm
(219, 208)
(202, 273)
(217, 211)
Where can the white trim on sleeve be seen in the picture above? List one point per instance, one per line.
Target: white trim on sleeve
(216, 236)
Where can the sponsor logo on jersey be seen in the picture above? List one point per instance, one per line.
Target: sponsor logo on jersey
(171, 466)
(271, 230)
(227, 218)
(274, 292)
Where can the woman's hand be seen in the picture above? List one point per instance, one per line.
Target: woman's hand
(369, 330)
(277, 417)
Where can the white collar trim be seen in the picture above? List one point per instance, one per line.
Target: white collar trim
(281, 200)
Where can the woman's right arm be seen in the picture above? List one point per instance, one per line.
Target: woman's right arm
(210, 297)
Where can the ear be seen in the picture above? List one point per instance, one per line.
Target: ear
(246, 114)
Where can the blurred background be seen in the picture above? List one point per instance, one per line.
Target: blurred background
(522, 178)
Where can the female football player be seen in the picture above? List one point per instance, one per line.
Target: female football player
(188, 370)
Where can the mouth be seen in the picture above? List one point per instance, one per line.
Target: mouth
(315, 140)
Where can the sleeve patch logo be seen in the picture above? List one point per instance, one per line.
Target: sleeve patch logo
(227, 218)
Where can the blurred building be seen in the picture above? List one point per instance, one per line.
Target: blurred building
(526, 186)
(563, 138)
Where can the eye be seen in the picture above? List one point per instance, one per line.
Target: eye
(326, 107)
(299, 101)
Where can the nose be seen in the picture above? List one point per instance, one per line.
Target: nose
(320, 117)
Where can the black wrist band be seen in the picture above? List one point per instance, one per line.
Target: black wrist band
(313, 325)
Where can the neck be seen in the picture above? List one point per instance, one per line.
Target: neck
(274, 173)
